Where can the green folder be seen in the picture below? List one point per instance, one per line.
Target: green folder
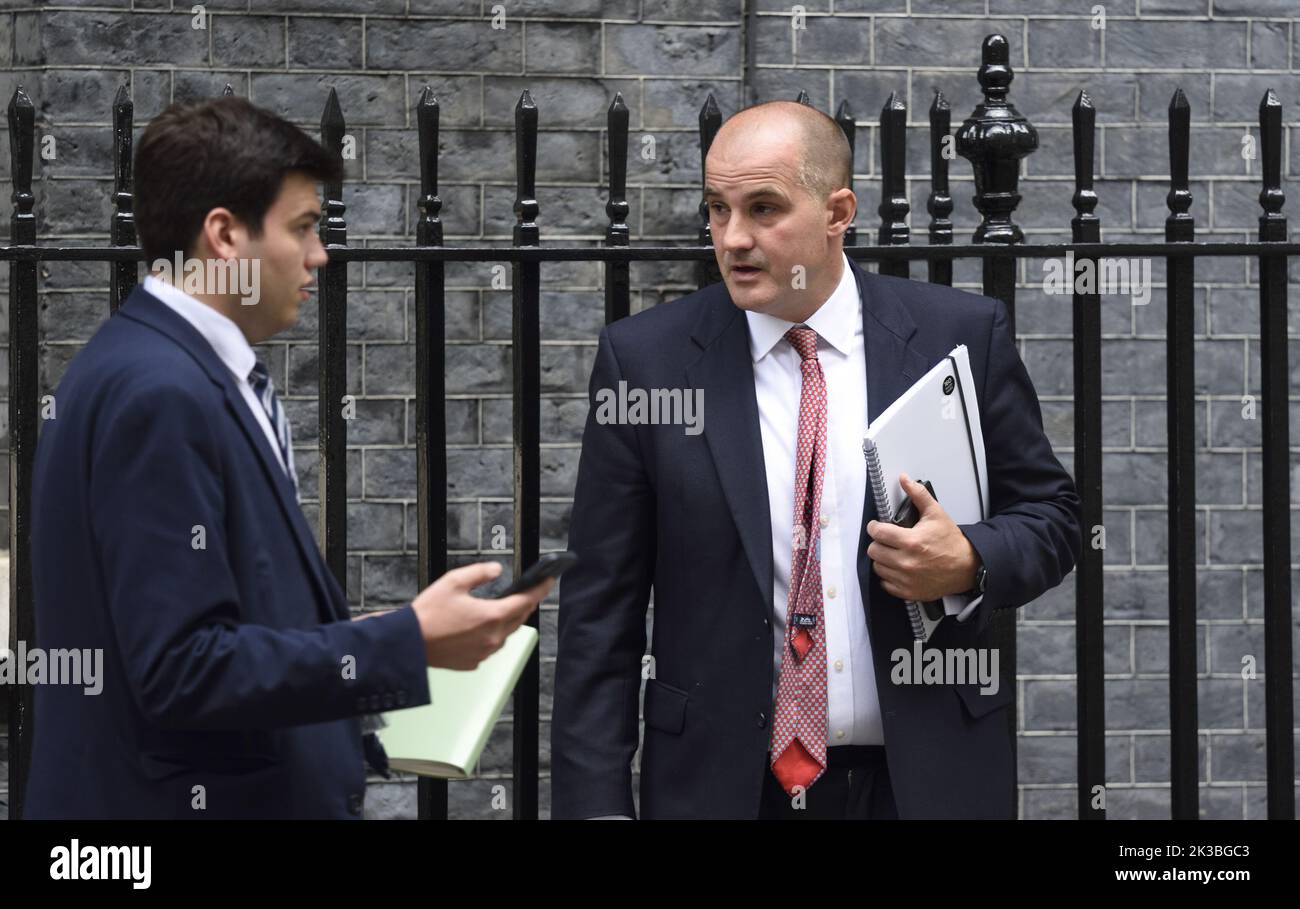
(445, 737)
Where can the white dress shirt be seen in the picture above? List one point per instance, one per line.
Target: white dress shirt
(853, 708)
(228, 340)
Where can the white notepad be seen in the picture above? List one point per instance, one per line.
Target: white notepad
(932, 432)
(445, 737)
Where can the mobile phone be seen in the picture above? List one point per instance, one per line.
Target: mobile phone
(550, 565)
(907, 514)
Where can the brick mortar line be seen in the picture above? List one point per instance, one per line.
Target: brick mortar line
(395, 17)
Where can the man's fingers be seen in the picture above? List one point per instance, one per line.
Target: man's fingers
(880, 554)
(896, 583)
(511, 620)
(517, 606)
(467, 577)
(538, 591)
(888, 534)
(521, 605)
(890, 575)
(516, 619)
(919, 495)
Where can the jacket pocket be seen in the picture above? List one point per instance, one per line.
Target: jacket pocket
(224, 787)
(163, 764)
(665, 706)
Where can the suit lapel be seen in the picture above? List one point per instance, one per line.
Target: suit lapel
(725, 371)
(284, 493)
(147, 309)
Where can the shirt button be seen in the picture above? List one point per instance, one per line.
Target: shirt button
(830, 592)
(839, 733)
(839, 665)
(825, 520)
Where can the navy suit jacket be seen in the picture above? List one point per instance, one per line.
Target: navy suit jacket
(688, 516)
(166, 532)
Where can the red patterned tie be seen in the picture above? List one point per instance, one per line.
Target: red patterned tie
(799, 730)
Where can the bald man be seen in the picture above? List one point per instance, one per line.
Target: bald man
(763, 701)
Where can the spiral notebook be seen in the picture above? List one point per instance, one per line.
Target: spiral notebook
(932, 432)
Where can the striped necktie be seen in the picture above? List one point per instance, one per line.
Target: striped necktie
(260, 380)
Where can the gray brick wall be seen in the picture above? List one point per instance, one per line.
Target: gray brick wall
(666, 58)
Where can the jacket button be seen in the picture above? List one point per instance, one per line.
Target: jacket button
(388, 701)
(761, 719)
(401, 697)
(355, 801)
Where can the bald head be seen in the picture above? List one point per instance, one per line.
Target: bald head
(823, 161)
(776, 187)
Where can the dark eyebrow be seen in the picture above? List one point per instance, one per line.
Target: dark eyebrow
(710, 192)
(313, 214)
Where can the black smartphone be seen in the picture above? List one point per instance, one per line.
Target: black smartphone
(907, 514)
(550, 565)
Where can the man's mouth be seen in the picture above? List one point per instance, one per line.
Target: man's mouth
(746, 269)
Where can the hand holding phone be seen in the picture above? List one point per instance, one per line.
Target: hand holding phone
(550, 565)
(460, 630)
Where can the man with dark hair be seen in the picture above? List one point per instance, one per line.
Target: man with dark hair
(167, 533)
(793, 352)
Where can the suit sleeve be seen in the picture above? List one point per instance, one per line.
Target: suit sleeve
(1031, 541)
(157, 512)
(603, 599)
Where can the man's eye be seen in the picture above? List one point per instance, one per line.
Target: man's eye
(717, 205)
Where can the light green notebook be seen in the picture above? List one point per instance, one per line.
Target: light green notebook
(445, 737)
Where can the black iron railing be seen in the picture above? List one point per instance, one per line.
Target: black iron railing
(994, 139)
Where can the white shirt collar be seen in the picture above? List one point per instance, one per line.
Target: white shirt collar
(226, 338)
(836, 320)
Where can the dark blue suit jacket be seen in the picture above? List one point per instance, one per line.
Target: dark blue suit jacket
(166, 533)
(688, 516)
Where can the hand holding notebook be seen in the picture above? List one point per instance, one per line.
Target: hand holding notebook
(445, 737)
(921, 554)
(931, 432)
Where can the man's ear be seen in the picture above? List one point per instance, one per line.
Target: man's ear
(221, 235)
(842, 208)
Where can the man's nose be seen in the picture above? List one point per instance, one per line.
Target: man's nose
(737, 236)
(319, 257)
